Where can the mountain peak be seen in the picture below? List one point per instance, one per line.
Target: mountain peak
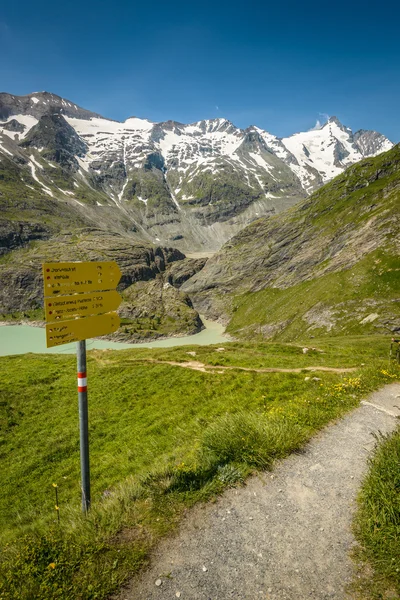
(39, 104)
(334, 120)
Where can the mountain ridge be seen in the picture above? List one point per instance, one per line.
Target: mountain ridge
(196, 184)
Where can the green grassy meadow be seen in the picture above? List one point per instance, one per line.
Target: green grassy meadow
(162, 437)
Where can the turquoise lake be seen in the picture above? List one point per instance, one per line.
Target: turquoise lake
(19, 339)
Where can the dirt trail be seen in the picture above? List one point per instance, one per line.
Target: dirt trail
(284, 536)
(199, 366)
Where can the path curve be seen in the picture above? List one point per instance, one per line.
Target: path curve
(285, 535)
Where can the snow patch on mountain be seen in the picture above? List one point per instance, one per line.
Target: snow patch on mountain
(33, 166)
(2, 149)
(27, 121)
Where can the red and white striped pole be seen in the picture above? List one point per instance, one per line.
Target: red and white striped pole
(83, 424)
(82, 382)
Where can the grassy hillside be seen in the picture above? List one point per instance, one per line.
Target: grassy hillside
(359, 300)
(162, 436)
(329, 264)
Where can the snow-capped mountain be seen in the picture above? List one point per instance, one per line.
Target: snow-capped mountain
(195, 185)
(323, 153)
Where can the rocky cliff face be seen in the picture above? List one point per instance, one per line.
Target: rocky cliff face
(331, 263)
(40, 104)
(151, 307)
(195, 185)
(56, 140)
(21, 281)
(154, 309)
(370, 143)
(16, 234)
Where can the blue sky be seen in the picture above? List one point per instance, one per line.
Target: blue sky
(279, 65)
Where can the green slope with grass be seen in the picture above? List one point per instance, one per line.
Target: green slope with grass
(328, 265)
(162, 437)
(355, 301)
(377, 524)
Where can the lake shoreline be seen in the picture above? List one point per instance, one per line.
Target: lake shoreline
(20, 338)
(110, 337)
(18, 322)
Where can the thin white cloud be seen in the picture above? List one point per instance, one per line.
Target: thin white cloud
(320, 123)
(317, 125)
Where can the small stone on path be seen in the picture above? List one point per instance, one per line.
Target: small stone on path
(205, 569)
(158, 582)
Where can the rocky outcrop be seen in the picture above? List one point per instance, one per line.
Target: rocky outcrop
(340, 154)
(14, 125)
(369, 143)
(21, 283)
(61, 142)
(14, 234)
(155, 309)
(179, 272)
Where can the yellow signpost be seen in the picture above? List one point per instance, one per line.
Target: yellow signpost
(86, 291)
(73, 278)
(81, 305)
(75, 330)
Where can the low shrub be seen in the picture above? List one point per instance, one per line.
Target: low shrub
(250, 438)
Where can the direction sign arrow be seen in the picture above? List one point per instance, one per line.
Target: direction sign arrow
(82, 305)
(76, 330)
(74, 277)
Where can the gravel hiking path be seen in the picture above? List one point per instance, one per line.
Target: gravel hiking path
(285, 535)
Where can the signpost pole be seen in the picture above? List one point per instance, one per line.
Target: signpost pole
(83, 424)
